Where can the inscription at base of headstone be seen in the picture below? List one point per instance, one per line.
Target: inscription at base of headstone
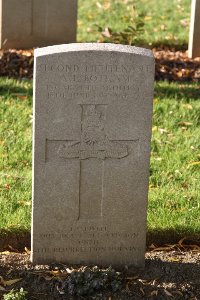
(34, 23)
(91, 150)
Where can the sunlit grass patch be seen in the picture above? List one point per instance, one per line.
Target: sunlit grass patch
(174, 197)
(165, 22)
(15, 153)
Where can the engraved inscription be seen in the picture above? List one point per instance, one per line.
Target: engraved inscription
(91, 239)
(95, 235)
(94, 141)
(92, 81)
(89, 249)
(127, 69)
(84, 91)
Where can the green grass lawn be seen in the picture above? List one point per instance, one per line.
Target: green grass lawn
(174, 198)
(15, 153)
(165, 22)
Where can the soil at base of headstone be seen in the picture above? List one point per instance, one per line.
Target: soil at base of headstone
(167, 275)
(171, 65)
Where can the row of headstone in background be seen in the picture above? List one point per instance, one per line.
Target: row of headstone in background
(34, 23)
(26, 24)
(92, 132)
(194, 39)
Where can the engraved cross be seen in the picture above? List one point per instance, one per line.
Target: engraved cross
(92, 150)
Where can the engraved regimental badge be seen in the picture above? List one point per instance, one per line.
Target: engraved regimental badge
(94, 142)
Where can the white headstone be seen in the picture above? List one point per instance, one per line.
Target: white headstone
(92, 133)
(194, 38)
(34, 23)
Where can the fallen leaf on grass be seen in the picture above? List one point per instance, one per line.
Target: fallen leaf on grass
(132, 278)
(190, 246)
(8, 282)
(12, 281)
(152, 246)
(181, 241)
(146, 282)
(20, 96)
(188, 106)
(154, 281)
(168, 294)
(143, 293)
(127, 287)
(22, 202)
(155, 128)
(178, 293)
(185, 123)
(107, 32)
(194, 248)
(49, 275)
(158, 158)
(46, 277)
(173, 259)
(194, 163)
(151, 186)
(27, 250)
(5, 252)
(147, 18)
(7, 186)
(2, 281)
(107, 5)
(179, 73)
(13, 249)
(154, 293)
(98, 5)
(61, 292)
(55, 272)
(69, 271)
(167, 248)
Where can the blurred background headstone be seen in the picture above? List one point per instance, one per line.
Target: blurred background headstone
(194, 39)
(33, 23)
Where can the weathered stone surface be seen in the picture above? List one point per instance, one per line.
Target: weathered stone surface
(194, 38)
(92, 132)
(34, 23)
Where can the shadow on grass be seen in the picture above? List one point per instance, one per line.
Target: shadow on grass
(163, 45)
(12, 87)
(178, 91)
(173, 236)
(170, 44)
(120, 36)
(16, 239)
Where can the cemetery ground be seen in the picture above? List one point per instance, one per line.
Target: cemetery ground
(173, 246)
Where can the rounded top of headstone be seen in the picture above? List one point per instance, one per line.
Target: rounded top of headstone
(93, 47)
